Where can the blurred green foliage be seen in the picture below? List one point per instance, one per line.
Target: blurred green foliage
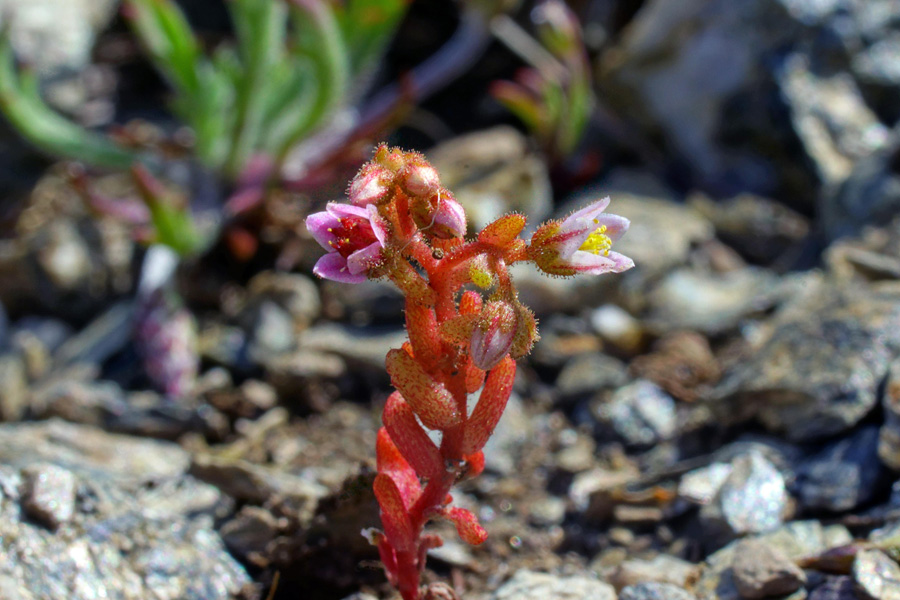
(288, 71)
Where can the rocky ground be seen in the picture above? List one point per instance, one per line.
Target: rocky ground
(723, 421)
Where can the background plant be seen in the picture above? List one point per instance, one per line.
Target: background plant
(554, 96)
(291, 68)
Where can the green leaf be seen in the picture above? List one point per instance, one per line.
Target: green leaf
(261, 28)
(367, 27)
(167, 37)
(317, 36)
(22, 105)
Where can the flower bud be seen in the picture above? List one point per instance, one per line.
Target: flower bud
(493, 334)
(449, 218)
(371, 185)
(418, 179)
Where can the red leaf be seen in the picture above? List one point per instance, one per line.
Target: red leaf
(421, 325)
(474, 377)
(430, 400)
(392, 463)
(470, 303)
(503, 231)
(398, 527)
(409, 437)
(475, 463)
(490, 406)
(467, 525)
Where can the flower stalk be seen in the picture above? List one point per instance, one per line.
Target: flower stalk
(403, 225)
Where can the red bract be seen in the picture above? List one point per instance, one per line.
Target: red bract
(404, 226)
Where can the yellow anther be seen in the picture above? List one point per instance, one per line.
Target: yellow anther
(597, 242)
(480, 277)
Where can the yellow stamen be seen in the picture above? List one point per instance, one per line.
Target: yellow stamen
(480, 277)
(597, 242)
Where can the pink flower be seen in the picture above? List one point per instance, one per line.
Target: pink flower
(581, 243)
(449, 220)
(354, 237)
(493, 334)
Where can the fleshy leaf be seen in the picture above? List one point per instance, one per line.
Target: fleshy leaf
(392, 463)
(430, 400)
(410, 439)
(490, 406)
(398, 527)
(467, 525)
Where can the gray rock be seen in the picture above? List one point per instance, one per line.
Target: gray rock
(249, 533)
(89, 451)
(761, 571)
(842, 475)
(615, 326)
(530, 585)
(365, 347)
(752, 499)
(641, 413)
(297, 294)
(660, 569)
(655, 591)
(256, 484)
(839, 587)
(701, 486)
(795, 540)
(840, 343)
(877, 576)
(589, 373)
(712, 303)
(869, 195)
(759, 229)
(120, 537)
(830, 117)
(513, 431)
(272, 333)
(49, 494)
(13, 388)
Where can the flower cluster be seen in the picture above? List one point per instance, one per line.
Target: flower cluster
(466, 327)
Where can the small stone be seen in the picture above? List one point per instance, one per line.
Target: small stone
(655, 591)
(701, 485)
(49, 494)
(641, 413)
(249, 533)
(617, 327)
(13, 388)
(835, 588)
(761, 571)
(844, 475)
(753, 498)
(586, 374)
(660, 569)
(877, 576)
(530, 585)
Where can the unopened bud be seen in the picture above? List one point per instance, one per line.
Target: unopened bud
(449, 219)
(493, 334)
(418, 179)
(371, 185)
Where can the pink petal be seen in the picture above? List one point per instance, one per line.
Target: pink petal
(360, 261)
(333, 266)
(616, 226)
(589, 212)
(598, 264)
(379, 225)
(339, 210)
(318, 225)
